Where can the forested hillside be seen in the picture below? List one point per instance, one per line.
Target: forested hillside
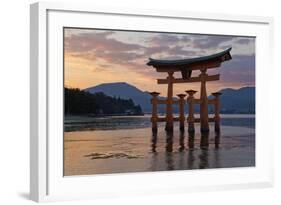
(78, 102)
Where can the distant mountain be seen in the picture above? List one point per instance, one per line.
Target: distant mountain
(124, 91)
(232, 101)
(238, 101)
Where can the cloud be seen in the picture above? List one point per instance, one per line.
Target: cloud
(101, 42)
(108, 51)
(210, 42)
(241, 69)
(243, 41)
(169, 39)
(150, 51)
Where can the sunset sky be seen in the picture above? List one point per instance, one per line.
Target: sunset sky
(94, 56)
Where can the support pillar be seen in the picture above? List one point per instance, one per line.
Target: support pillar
(154, 117)
(190, 118)
(204, 116)
(169, 108)
(181, 111)
(217, 110)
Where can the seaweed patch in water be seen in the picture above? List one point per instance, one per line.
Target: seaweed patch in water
(111, 155)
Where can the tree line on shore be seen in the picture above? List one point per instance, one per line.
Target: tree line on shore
(79, 102)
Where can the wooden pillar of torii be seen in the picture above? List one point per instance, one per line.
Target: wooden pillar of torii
(169, 108)
(186, 66)
(181, 110)
(191, 102)
(204, 115)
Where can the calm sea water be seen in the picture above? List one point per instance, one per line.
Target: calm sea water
(78, 123)
(121, 144)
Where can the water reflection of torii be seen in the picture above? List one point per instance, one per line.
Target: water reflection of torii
(186, 66)
(189, 158)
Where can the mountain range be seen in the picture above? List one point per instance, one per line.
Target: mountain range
(232, 101)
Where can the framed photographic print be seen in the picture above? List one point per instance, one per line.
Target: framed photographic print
(127, 102)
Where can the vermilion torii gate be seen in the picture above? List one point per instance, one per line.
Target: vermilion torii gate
(186, 66)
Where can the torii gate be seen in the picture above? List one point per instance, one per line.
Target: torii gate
(186, 66)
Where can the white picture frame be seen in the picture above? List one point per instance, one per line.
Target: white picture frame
(46, 179)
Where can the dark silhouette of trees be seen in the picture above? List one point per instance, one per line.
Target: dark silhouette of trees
(79, 102)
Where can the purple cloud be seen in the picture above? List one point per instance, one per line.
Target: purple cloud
(85, 42)
(240, 69)
(211, 41)
(243, 41)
